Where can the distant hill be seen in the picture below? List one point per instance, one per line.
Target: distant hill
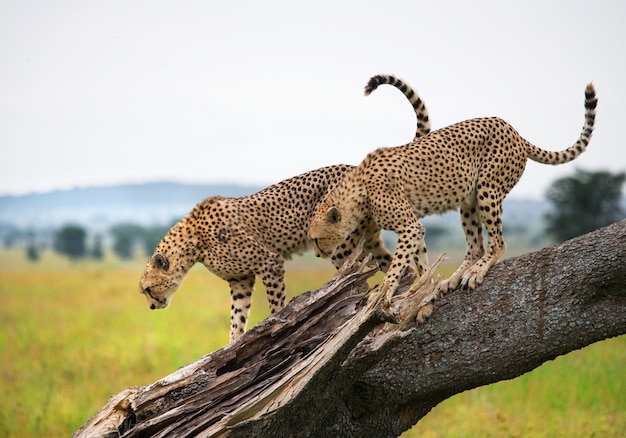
(161, 203)
(100, 207)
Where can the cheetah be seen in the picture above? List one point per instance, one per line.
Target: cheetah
(471, 166)
(239, 239)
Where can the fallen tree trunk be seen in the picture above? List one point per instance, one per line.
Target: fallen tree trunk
(329, 365)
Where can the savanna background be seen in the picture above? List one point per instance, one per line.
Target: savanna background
(75, 330)
(117, 117)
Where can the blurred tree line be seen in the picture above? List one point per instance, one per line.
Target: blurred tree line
(579, 203)
(73, 241)
(584, 202)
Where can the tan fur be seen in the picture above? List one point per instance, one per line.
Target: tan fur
(239, 239)
(471, 166)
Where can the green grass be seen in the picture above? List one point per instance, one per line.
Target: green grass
(73, 334)
(581, 394)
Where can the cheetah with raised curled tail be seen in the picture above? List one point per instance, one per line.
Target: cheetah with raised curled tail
(240, 238)
(471, 165)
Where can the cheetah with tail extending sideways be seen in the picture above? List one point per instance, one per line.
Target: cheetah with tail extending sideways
(240, 238)
(471, 165)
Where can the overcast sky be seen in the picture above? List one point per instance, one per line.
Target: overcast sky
(253, 92)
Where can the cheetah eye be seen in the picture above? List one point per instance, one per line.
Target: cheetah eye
(333, 215)
(161, 262)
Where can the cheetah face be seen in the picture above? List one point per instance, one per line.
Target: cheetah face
(328, 230)
(159, 281)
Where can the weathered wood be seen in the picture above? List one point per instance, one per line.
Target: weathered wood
(328, 365)
(253, 375)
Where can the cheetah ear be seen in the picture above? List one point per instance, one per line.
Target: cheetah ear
(161, 262)
(333, 215)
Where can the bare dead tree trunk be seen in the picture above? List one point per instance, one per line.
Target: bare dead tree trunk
(328, 365)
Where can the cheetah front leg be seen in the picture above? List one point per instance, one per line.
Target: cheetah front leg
(373, 244)
(241, 297)
(410, 250)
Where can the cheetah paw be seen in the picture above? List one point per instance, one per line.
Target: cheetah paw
(447, 285)
(424, 313)
(472, 279)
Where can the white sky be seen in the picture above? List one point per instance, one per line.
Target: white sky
(252, 92)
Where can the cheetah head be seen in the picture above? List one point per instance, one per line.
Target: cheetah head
(159, 281)
(173, 258)
(329, 228)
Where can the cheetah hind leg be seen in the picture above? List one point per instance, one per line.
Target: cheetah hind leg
(473, 229)
(476, 273)
(491, 216)
(273, 278)
(469, 275)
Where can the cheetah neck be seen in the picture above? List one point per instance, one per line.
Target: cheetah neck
(350, 197)
(182, 244)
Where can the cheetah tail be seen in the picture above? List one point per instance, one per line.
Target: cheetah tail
(423, 122)
(548, 157)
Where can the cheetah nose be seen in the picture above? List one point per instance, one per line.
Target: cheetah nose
(152, 306)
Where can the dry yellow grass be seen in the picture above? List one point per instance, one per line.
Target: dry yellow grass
(73, 334)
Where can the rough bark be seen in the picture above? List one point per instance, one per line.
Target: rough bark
(328, 365)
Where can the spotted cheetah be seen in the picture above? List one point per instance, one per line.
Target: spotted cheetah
(471, 165)
(240, 238)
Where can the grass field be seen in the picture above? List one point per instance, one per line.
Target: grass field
(73, 334)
